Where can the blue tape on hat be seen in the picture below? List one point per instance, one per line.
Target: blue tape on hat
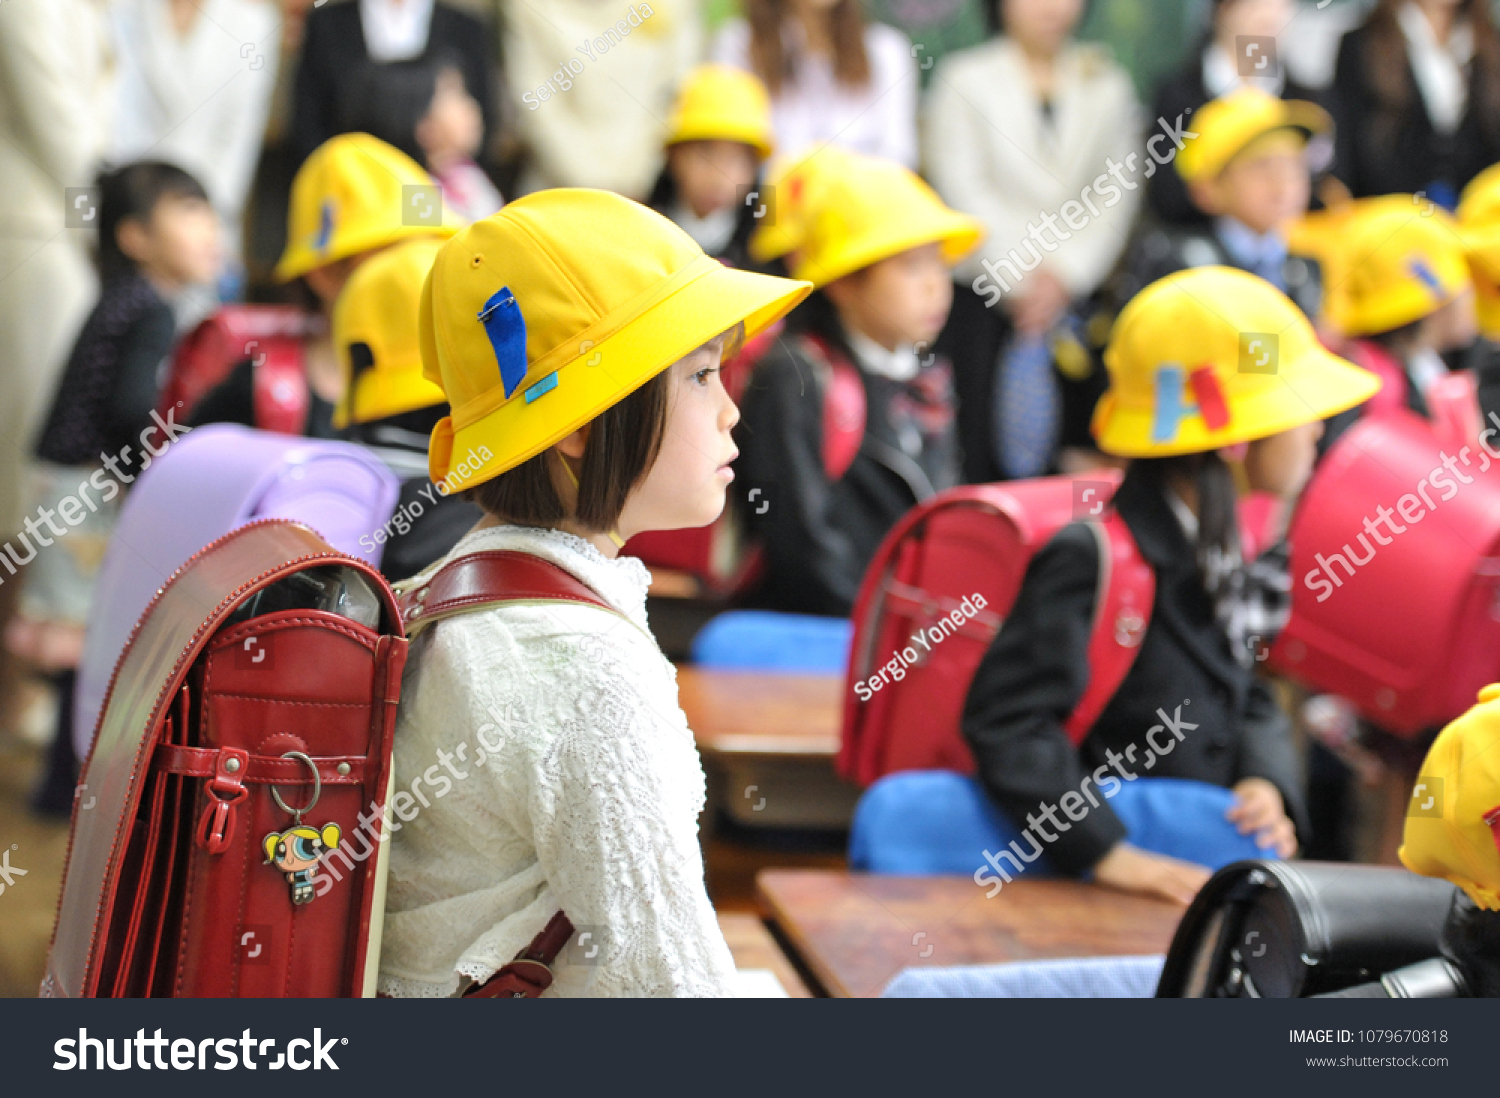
(325, 228)
(1424, 274)
(542, 388)
(1170, 407)
(506, 327)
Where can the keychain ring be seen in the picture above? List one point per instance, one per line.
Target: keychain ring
(317, 787)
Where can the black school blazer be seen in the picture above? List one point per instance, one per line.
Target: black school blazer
(1399, 152)
(333, 54)
(1036, 669)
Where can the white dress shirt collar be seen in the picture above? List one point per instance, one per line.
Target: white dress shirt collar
(395, 30)
(898, 365)
(1221, 74)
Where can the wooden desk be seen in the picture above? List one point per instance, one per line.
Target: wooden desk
(761, 713)
(854, 932)
(753, 947)
(768, 742)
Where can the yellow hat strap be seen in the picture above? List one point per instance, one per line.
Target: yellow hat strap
(613, 535)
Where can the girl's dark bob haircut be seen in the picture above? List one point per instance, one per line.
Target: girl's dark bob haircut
(623, 442)
(132, 193)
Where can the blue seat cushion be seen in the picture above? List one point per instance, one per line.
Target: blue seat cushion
(937, 822)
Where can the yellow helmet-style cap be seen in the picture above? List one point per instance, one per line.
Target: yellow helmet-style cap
(795, 183)
(1228, 125)
(1388, 261)
(375, 335)
(1212, 357)
(1479, 222)
(354, 194)
(721, 103)
(859, 210)
(539, 318)
(1453, 819)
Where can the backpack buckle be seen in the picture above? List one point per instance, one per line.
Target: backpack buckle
(224, 790)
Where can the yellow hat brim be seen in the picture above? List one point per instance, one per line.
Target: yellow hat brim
(1482, 245)
(1202, 160)
(299, 258)
(1401, 303)
(707, 130)
(402, 390)
(957, 234)
(1487, 304)
(709, 299)
(1313, 388)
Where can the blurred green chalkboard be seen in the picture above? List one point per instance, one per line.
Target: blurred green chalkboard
(1148, 36)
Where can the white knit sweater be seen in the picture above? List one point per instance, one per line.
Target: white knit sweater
(581, 791)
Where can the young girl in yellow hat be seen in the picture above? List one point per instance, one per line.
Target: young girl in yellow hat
(849, 419)
(718, 137)
(352, 198)
(577, 337)
(1400, 295)
(1189, 386)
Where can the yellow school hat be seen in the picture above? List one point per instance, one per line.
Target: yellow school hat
(539, 318)
(1453, 818)
(1212, 357)
(1228, 125)
(1479, 222)
(375, 335)
(351, 196)
(721, 103)
(793, 184)
(1392, 261)
(861, 210)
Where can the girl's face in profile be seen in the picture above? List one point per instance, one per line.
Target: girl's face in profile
(712, 175)
(685, 487)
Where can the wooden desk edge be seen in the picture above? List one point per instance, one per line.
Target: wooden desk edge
(806, 954)
(827, 979)
(743, 746)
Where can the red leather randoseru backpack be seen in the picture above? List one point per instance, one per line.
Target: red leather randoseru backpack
(225, 837)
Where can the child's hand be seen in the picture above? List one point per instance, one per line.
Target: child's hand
(1258, 809)
(1131, 869)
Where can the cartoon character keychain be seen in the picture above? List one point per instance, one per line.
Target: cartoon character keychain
(296, 850)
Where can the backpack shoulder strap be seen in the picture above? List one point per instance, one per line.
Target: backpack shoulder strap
(1122, 610)
(479, 581)
(844, 409)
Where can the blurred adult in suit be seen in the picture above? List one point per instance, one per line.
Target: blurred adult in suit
(1417, 99)
(346, 44)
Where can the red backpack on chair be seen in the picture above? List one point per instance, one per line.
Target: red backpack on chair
(271, 337)
(951, 570)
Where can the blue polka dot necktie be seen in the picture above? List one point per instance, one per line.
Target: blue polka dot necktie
(1027, 408)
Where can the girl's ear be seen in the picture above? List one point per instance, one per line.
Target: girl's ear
(1235, 453)
(133, 240)
(1207, 195)
(573, 445)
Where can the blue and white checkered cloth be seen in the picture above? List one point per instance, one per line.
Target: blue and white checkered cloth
(1069, 978)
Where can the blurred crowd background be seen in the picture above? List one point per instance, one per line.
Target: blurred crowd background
(217, 104)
